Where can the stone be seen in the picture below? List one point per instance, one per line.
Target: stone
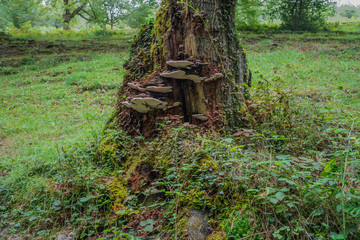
(167, 89)
(179, 74)
(198, 227)
(215, 77)
(180, 64)
(65, 236)
(201, 117)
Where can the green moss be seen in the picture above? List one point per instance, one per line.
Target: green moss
(182, 224)
(113, 147)
(108, 147)
(118, 193)
(140, 63)
(148, 51)
(207, 162)
(135, 161)
(196, 199)
(218, 236)
(110, 124)
(162, 25)
(220, 201)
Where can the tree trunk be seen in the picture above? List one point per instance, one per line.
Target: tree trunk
(66, 16)
(15, 21)
(186, 68)
(66, 24)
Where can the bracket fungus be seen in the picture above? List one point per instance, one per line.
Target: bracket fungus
(200, 117)
(145, 105)
(136, 87)
(167, 89)
(215, 77)
(181, 75)
(180, 64)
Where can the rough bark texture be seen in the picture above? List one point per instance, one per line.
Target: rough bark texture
(186, 67)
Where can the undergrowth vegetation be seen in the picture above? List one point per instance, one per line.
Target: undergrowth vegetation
(43, 32)
(292, 173)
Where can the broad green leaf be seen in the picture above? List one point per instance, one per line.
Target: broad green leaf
(149, 228)
(150, 221)
(280, 196)
(85, 199)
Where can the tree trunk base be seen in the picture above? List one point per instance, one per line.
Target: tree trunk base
(182, 70)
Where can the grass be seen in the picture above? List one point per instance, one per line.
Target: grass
(54, 100)
(310, 66)
(56, 97)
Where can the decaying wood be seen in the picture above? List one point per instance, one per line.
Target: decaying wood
(194, 60)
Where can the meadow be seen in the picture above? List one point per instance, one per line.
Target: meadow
(57, 95)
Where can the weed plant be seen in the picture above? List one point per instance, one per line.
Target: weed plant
(293, 173)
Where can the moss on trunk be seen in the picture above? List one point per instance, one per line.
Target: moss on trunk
(207, 92)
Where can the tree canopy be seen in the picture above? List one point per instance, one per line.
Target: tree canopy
(61, 13)
(17, 12)
(111, 12)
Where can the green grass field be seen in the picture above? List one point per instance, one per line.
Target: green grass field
(55, 95)
(58, 94)
(53, 99)
(325, 65)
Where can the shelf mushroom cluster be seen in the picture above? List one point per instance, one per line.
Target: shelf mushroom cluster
(147, 103)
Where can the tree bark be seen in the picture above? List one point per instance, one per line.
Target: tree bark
(187, 68)
(68, 15)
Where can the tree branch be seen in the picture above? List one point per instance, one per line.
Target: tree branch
(87, 19)
(77, 11)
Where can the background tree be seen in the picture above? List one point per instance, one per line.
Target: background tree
(248, 13)
(17, 12)
(111, 12)
(300, 14)
(70, 8)
(140, 10)
(104, 12)
(51, 16)
(348, 11)
(187, 67)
